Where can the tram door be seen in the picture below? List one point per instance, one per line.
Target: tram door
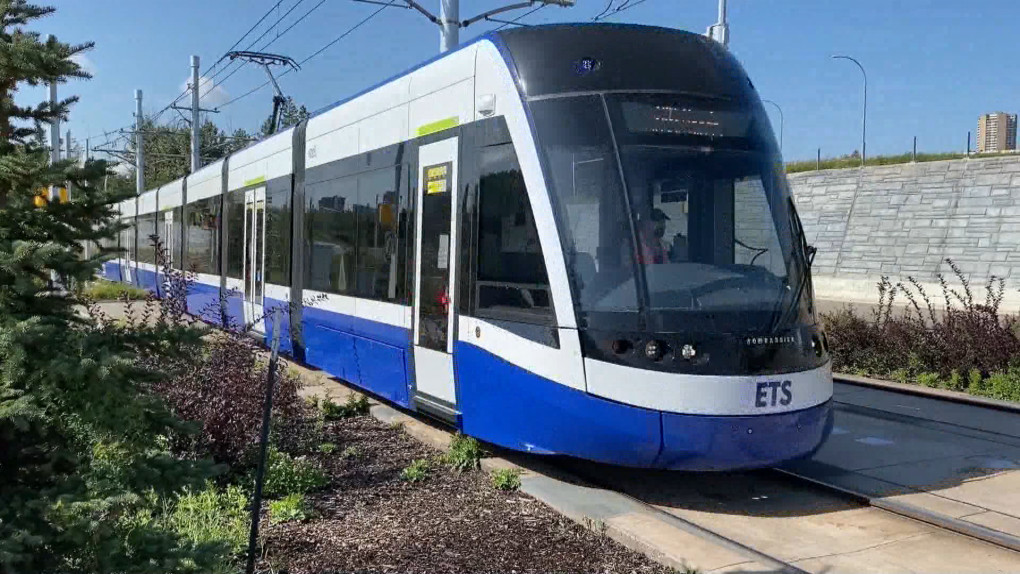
(435, 274)
(254, 257)
(168, 233)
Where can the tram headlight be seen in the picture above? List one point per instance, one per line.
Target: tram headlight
(653, 350)
(688, 352)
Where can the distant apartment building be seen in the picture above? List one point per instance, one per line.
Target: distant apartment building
(996, 132)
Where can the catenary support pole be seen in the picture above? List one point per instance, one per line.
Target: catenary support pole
(139, 146)
(260, 472)
(195, 127)
(449, 25)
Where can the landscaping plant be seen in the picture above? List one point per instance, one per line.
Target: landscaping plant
(82, 447)
(934, 347)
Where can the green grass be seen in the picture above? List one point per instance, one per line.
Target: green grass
(103, 290)
(211, 518)
(464, 453)
(326, 448)
(508, 479)
(356, 405)
(850, 162)
(351, 452)
(289, 508)
(417, 471)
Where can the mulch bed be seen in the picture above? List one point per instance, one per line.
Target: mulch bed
(370, 520)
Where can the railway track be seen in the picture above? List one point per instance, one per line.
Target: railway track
(831, 513)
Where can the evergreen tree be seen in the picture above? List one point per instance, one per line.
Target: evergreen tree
(290, 116)
(82, 465)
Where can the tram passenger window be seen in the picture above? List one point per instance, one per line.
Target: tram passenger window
(127, 240)
(235, 233)
(376, 211)
(203, 236)
(146, 229)
(331, 235)
(278, 222)
(512, 281)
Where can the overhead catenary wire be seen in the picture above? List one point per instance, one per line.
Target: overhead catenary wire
(518, 19)
(313, 54)
(272, 40)
(621, 8)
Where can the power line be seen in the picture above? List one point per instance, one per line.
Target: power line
(217, 62)
(314, 54)
(278, 36)
(518, 19)
(621, 8)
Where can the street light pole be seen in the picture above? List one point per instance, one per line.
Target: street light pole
(864, 129)
(780, 123)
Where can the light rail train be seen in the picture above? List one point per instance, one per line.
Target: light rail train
(564, 239)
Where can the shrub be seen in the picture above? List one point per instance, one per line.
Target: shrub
(417, 471)
(351, 452)
(1004, 386)
(464, 453)
(289, 508)
(286, 475)
(327, 448)
(929, 380)
(921, 342)
(103, 290)
(223, 390)
(356, 405)
(508, 479)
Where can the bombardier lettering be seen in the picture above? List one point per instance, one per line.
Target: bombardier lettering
(770, 393)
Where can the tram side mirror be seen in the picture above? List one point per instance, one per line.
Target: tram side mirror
(811, 251)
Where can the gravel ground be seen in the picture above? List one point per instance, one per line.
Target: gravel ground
(370, 520)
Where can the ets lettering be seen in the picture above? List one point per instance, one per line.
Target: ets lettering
(772, 393)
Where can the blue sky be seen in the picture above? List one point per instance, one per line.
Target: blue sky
(924, 58)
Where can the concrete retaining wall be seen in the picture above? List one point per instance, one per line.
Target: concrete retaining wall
(905, 220)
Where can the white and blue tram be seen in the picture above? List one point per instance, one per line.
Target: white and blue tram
(570, 239)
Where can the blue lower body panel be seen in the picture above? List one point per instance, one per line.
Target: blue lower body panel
(111, 271)
(506, 405)
(204, 302)
(692, 442)
(147, 280)
(365, 353)
(509, 406)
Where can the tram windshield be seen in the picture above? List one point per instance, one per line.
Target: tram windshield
(670, 205)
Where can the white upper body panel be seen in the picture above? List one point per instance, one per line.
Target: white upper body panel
(269, 159)
(147, 202)
(171, 195)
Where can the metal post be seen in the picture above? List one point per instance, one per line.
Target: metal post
(864, 129)
(260, 472)
(449, 25)
(818, 160)
(913, 156)
(139, 145)
(781, 121)
(195, 144)
(968, 144)
(720, 31)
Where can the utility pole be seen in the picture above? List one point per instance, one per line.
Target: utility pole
(54, 135)
(720, 31)
(196, 161)
(449, 25)
(864, 121)
(449, 21)
(139, 146)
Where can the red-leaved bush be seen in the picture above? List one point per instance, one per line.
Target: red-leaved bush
(962, 337)
(219, 384)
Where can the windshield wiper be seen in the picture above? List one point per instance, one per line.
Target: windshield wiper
(794, 303)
